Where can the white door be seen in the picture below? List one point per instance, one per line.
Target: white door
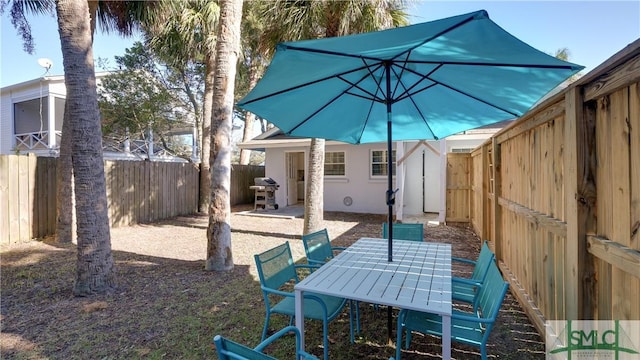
(431, 201)
(293, 171)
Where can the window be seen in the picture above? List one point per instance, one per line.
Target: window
(461, 150)
(379, 162)
(334, 163)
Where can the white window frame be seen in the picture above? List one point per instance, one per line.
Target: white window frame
(384, 155)
(343, 163)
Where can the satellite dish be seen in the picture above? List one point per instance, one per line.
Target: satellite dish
(45, 63)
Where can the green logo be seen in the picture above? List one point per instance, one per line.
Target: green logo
(593, 339)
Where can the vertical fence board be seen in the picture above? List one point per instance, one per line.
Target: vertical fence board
(146, 188)
(33, 215)
(153, 184)
(53, 197)
(5, 200)
(620, 191)
(24, 198)
(129, 193)
(634, 170)
(40, 213)
(605, 218)
(14, 201)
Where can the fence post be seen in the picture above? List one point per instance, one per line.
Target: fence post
(496, 224)
(580, 196)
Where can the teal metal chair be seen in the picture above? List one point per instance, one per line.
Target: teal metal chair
(276, 270)
(317, 247)
(413, 232)
(231, 350)
(471, 328)
(465, 289)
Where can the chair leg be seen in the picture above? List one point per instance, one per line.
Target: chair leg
(358, 317)
(401, 328)
(354, 304)
(399, 341)
(351, 321)
(325, 331)
(266, 326)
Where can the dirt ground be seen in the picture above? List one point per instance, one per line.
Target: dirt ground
(167, 306)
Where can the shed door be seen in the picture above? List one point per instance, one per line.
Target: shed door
(431, 200)
(295, 169)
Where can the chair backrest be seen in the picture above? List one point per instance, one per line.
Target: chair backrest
(414, 232)
(317, 247)
(485, 259)
(229, 349)
(276, 267)
(490, 296)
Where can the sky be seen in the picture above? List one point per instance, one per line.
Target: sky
(592, 31)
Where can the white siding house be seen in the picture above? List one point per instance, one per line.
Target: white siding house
(355, 175)
(31, 122)
(31, 116)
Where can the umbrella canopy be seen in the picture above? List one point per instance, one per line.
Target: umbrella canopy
(424, 81)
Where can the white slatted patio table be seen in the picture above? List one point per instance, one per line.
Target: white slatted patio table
(419, 278)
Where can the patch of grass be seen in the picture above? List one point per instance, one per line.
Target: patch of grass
(170, 308)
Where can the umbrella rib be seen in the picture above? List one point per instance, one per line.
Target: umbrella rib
(336, 53)
(373, 97)
(515, 114)
(364, 124)
(436, 36)
(407, 91)
(313, 114)
(471, 63)
(379, 89)
(329, 52)
(275, 93)
(399, 76)
(339, 76)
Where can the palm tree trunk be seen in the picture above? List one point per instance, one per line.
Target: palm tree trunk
(64, 177)
(219, 255)
(205, 166)
(64, 169)
(314, 198)
(95, 267)
(249, 118)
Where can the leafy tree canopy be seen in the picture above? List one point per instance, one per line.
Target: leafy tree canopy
(147, 94)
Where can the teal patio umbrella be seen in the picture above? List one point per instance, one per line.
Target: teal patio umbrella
(419, 82)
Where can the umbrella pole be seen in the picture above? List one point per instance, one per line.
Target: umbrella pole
(390, 202)
(390, 194)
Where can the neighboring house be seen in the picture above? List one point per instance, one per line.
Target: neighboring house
(31, 122)
(355, 175)
(31, 116)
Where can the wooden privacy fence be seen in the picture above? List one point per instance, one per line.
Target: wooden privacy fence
(459, 173)
(558, 195)
(137, 192)
(242, 176)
